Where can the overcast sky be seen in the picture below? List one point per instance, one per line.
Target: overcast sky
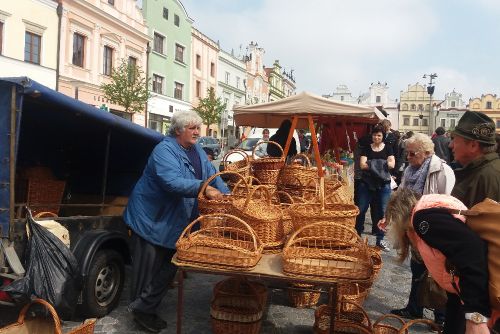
(357, 42)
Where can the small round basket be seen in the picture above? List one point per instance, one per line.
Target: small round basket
(303, 299)
(355, 321)
(241, 167)
(267, 169)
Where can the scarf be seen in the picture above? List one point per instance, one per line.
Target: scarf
(415, 177)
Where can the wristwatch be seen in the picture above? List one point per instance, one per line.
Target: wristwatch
(476, 317)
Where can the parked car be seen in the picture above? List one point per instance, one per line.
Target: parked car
(212, 143)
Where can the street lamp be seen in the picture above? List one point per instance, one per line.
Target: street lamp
(430, 91)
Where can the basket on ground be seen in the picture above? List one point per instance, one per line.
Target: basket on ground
(40, 325)
(388, 324)
(300, 298)
(267, 169)
(226, 241)
(356, 321)
(237, 306)
(352, 292)
(321, 256)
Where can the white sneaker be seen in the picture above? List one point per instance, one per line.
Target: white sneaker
(383, 245)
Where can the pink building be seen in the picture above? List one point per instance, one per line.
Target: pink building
(257, 81)
(95, 36)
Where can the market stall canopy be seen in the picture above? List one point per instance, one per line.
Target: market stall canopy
(271, 114)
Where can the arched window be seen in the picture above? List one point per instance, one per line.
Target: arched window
(453, 104)
(404, 107)
(420, 107)
(413, 106)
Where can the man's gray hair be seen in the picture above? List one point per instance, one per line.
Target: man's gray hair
(423, 142)
(183, 118)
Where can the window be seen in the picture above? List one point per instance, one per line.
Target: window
(159, 41)
(237, 82)
(107, 60)
(198, 62)
(32, 47)
(412, 107)
(198, 88)
(341, 97)
(415, 122)
(178, 90)
(424, 122)
(405, 107)
(132, 64)
(420, 107)
(378, 99)
(1, 36)
(452, 123)
(226, 77)
(165, 13)
(453, 104)
(406, 121)
(443, 122)
(212, 70)
(159, 123)
(78, 49)
(179, 53)
(498, 123)
(157, 84)
(176, 19)
(488, 105)
(111, 2)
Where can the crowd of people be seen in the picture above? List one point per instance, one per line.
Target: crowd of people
(431, 175)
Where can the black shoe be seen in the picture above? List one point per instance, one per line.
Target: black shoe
(150, 322)
(404, 313)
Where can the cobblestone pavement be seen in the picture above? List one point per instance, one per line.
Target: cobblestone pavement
(389, 291)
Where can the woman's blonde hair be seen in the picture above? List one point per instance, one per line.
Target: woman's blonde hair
(398, 215)
(423, 142)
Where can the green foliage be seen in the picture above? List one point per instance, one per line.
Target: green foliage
(128, 87)
(210, 108)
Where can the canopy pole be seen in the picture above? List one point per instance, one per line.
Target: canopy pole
(290, 136)
(314, 139)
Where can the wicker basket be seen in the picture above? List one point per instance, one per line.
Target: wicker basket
(388, 324)
(226, 241)
(241, 167)
(44, 326)
(298, 171)
(303, 299)
(376, 260)
(306, 213)
(327, 257)
(264, 217)
(237, 306)
(436, 328)
(352, 292)
(267, 169)
(356, 321)
(208, 206)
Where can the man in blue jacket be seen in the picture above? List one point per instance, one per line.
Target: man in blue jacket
(161, 205)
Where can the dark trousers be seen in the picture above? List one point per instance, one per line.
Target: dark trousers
(152, 273)
(455, 316)
(417, 270)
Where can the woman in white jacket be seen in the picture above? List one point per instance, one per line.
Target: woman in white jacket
(425, 174)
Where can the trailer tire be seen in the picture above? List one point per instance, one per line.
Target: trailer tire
(104, 283)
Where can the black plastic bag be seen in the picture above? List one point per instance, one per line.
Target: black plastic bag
(52, 272)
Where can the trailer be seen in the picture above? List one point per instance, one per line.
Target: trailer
(76, 164)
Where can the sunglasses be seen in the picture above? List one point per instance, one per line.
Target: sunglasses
(411, 154)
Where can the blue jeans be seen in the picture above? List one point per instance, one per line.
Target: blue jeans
(379, 199)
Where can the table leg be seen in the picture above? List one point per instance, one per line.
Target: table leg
(180, 300)
(333, 305)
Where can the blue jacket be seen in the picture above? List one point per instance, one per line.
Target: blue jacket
(164, 200)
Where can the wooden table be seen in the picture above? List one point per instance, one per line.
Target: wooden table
(269, 267)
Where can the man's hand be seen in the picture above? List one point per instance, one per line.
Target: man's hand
(213, 193)
(472, 328)
(382, 225)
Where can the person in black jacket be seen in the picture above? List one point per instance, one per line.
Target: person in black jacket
(280, 137)
(441, 145)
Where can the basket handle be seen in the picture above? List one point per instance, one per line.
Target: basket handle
(292, 238)
(253, 191)
(203, 188)
(290, 198)
(223, 215)
(235, 151)
(360, 308)
(410, 323)
(50, 308)
(45, 213)
(306, 162)
(386, 316)
(267, 142)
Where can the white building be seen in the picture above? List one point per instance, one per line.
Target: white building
(378, 96)
(231, 89)
(342, 94)
(28, 40)
(450, 110)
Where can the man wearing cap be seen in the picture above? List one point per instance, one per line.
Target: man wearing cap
(474, 147)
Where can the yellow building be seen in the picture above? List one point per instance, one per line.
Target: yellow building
(488, 104)
(414, 109)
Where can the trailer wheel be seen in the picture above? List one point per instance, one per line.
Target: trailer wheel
(104, 283)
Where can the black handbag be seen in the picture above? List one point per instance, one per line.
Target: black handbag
(430, 294)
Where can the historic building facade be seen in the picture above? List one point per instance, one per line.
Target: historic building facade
(95, 37)
(204, 71)
(378, 96)
(257, 85)
(488, 104)
(450, 110)
(342, 94)
(414, 109)
(231, 89)
(169, 62)
(33, 22)
(275, 79)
